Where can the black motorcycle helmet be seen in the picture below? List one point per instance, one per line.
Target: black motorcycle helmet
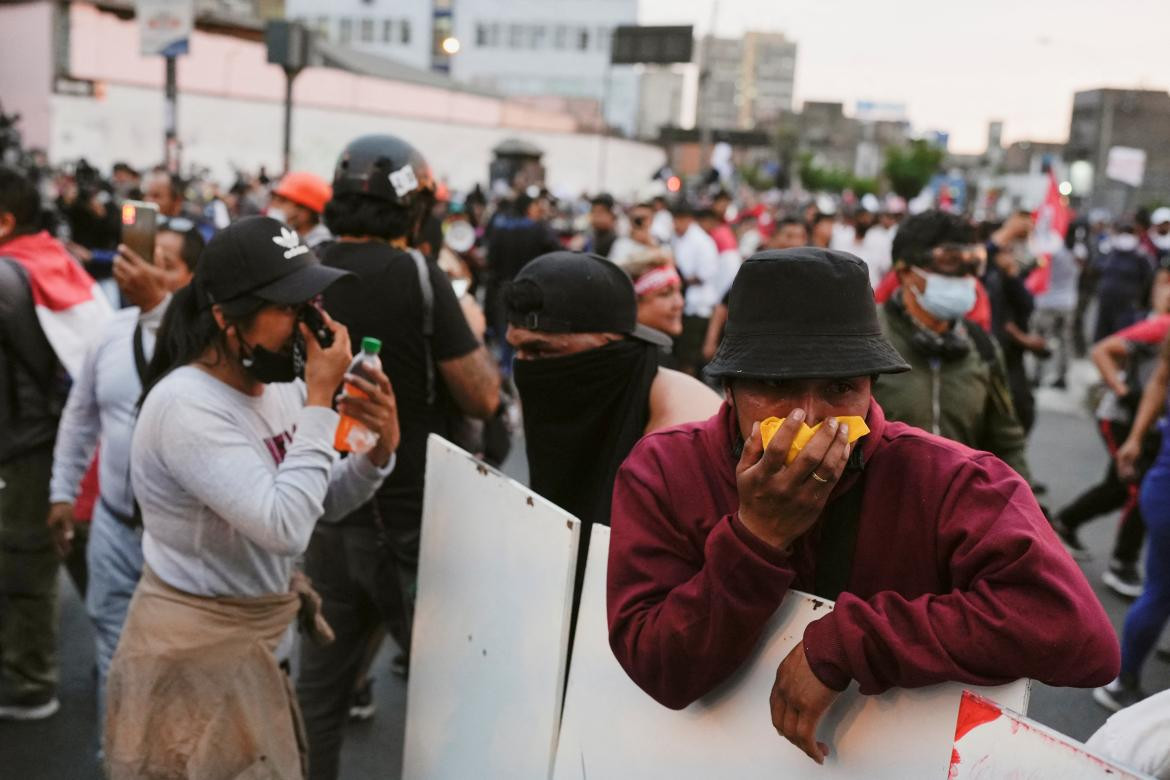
(390, 169)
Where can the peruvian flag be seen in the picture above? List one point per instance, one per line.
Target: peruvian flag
(70, 306)
(1050, 223)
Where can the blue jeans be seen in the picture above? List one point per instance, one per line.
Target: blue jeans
(1150, 612)
(114, 557)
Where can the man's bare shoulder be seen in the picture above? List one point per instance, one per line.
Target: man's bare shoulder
(676, 398)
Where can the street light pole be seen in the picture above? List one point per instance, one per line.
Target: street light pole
(171, 120)
(289, 46)
(289, 75)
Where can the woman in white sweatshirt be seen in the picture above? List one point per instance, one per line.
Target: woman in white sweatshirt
(232, 464)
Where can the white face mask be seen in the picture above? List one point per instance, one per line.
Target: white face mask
(1160, 241)
(948, 298)
(1125, 242)
(277, 214)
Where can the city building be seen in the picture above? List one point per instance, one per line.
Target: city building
(882, 125)
(105, 103)
(660, 100)
(1135, 118)
(685, 149)
(825, 132)
(515, 47)
(745, 82)
(391, 28)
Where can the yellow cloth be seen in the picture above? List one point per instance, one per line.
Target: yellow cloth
(768, 428)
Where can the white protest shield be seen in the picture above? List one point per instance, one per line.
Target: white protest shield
(612, 729)
(491, 625)
(992, 742)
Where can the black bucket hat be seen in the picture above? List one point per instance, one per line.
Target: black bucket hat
(257, 260)
(577, 292)
(803, 314)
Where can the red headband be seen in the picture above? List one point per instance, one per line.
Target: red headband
(657, 279)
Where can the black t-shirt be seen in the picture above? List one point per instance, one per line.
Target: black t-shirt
(386, 302)
(514, 242)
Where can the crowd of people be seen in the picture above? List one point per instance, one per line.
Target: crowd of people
(168, 434)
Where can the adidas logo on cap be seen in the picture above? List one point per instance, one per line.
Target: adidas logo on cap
(289, 239)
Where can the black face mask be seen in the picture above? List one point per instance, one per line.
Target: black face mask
(583, 413)
(270, 367)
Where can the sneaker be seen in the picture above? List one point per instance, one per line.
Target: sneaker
(361, 706)
(400, 665)
(1070, 540)
(1117, 695)
(29, 711)
(1163, 650)
(1123, 579)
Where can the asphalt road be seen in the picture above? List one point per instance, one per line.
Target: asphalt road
(1066, 455)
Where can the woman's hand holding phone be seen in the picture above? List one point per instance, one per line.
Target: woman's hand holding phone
(325, 367)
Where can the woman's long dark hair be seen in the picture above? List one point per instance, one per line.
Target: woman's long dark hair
(188, 329)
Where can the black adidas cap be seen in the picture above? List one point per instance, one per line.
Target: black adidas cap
(258, 260)
(576, 292)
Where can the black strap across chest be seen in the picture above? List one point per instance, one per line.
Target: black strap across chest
(838, 542)
(140, 361)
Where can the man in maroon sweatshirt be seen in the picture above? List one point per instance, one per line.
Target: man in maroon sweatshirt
(941, 563)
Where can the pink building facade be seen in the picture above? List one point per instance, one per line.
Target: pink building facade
(97, 97)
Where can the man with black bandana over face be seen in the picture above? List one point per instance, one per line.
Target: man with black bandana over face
(588, 377)
(589, 382)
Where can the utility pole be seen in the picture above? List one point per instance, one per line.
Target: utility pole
(704, 75)
(171, 119)
(164, 28)
(601, 155)
(289, 45)
(289, 75)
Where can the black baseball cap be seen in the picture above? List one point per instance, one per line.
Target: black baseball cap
(259, 260)
(577, 292)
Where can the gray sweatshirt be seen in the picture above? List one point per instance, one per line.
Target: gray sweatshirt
(231, 485)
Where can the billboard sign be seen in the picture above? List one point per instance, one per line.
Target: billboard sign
(633, 44)
(164, 26)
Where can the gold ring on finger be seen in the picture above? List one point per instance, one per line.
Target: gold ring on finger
(818, 477)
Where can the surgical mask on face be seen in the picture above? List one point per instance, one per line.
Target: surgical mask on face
(1160, 241)
(277, 214)
(948, 298)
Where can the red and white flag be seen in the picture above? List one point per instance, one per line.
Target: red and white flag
(1050, 223)
(70, 306)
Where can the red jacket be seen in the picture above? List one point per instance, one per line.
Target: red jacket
(957, 576)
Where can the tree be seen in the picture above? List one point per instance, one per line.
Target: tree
(817, 179)
(910, 168)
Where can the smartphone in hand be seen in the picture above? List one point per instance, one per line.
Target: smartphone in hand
(139, 225)
(311, 316)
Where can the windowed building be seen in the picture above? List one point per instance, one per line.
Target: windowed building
(515, 47)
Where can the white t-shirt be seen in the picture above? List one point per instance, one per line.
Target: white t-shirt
(1138, 736)
(874, 249)
(231, 485)
(102, 406)
(697, 259)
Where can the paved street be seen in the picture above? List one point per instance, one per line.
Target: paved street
(1066, 455)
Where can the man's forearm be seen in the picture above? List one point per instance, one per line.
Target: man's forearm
(1153, 398)
(680, 646)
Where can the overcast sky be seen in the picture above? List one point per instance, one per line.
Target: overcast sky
(955, 65)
